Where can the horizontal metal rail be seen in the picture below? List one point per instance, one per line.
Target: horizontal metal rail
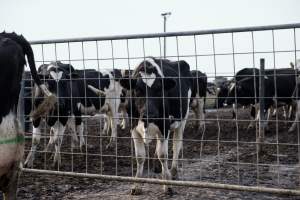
(170, 34)
(169, 182)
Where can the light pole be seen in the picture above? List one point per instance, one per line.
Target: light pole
(165, 15)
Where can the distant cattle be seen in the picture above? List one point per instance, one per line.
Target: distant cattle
(279, 88)
(78, 94)
(159, 104)
(13, 49)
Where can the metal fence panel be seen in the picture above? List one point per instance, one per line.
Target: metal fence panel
(224, 153)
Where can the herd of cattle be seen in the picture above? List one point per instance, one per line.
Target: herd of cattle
(157, 96)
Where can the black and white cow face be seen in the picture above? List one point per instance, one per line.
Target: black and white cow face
(57, 81)
(148, 87)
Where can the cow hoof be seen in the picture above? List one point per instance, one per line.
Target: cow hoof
(168, 191)
(136, 191)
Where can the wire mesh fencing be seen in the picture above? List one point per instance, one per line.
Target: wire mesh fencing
(243, 134)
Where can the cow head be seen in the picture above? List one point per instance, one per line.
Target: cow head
(57, 81)
(148, 86)
(222, 93)
(243, 91)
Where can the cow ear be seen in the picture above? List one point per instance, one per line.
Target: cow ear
(128, 83)
(169, 83)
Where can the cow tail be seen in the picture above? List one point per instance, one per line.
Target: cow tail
(30, 58)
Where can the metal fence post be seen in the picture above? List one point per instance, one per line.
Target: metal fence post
(261, 129)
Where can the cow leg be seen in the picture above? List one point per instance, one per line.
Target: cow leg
(123, 120)
(293, 127)
(274, 111)
(79, 130)
(252, 117)
(50, 144)
(233, 111)
(74, 138)
(290, 111)
(10, 191)
(177, 145)
(267, 118)
(113, 121)
(58, 131)
(36, 137)
(198, 107)
(140, 155)
(122, 109)
(162, 154)
(284, 112)
(106, 127)
(201, 112)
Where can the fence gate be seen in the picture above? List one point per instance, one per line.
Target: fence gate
(224, 152)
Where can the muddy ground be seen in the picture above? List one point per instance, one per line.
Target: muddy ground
(226, 155)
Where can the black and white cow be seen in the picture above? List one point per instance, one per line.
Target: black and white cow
(159, 104)
(199, 88)
(13, 49)
(58, 79)
(80, 90)
(103, 95)
(243, 74)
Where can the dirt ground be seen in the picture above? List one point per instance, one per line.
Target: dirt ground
(226, 154)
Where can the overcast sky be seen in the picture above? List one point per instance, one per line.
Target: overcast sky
(55, 19)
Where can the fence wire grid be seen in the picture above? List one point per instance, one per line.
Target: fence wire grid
(224, 152)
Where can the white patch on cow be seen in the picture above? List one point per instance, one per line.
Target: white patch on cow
(232, 85)
(106, 72)
(123, 72)
(188, 103)
(177, 124)
(148, 79)
(10, 152)
(149, 133)
(294, 125)
(56, 76)
(153, 63)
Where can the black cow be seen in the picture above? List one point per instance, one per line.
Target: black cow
(222, 94)
(159, 105)
(13, 49)
(279, 85)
